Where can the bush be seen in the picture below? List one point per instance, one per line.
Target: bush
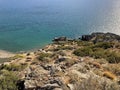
(8, 80)
(98, 53)
(113, 57)
(17, 56)
(13, 67)
(104, 45)
(63, 47)
(84, 43)
(83, 52)
(43, 56)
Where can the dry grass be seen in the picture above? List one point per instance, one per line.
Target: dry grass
(98, 72)
(93, 83)
(109, 75)
(114, 68)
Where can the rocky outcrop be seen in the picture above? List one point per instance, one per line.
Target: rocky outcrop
(101, 37)
(86, 37)
(60, 39)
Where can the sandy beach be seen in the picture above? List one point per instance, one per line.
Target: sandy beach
(5, 54)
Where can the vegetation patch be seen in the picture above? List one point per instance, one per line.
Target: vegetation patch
(84, 43)
(17, 56)
(83, 51)
(8, 80)
(99, 51)
(104, 45)
(13, 67)
(43, 56)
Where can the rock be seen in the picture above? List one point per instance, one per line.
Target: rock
(58, 89)
(71, 86)
(60, 83)
(60, 60)
(50, 87)
(60, 39)
(30, 84)
(86, 37)
(46, 67)
(79, 74)
(101, 37)
(28, 54)
(81, 67)
(20, 85)
(55, 69)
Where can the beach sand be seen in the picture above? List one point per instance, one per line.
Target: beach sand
(6, 54)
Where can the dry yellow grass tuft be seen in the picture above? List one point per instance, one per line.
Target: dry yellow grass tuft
(109, 75)
(115, 68)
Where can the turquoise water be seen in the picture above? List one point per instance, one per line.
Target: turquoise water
(29, 24)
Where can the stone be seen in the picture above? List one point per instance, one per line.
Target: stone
(71, 86)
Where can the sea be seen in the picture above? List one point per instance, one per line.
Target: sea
(31, 24)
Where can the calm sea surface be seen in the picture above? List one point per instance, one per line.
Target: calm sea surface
(29, 24)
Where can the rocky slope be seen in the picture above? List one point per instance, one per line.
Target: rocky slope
(66, 65)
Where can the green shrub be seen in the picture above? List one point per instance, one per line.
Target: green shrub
(104, 45)
(43, 56)
(8, 80)
(83, 52)
(98, 53)
(84, 43)
(17, 56)
(113, 57)
(13, 67)
(63, 47)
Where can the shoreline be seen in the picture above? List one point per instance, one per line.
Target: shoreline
(6, 54)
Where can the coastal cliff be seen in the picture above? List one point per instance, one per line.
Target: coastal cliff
(91, 62)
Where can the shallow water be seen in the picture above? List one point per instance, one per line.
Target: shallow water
(29, 24)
